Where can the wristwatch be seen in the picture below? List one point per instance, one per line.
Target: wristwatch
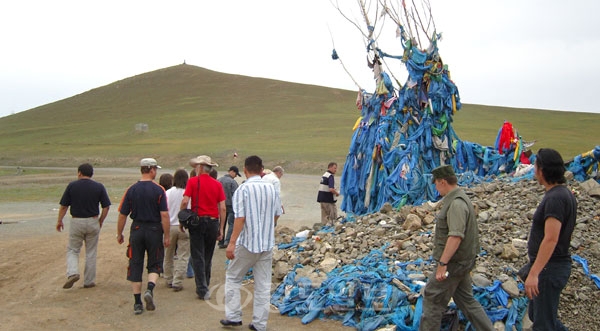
(443, 264)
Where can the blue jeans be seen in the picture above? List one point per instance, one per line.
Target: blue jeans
(190, 269)
(230, 218)
(543, 309)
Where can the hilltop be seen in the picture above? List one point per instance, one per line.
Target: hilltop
(181, 111)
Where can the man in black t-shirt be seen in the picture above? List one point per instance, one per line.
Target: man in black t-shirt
(549, 241)
(146, 203)
(83, 196)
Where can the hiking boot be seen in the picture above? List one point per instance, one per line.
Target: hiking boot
(70, 281)
(138, 308)
(149, 300)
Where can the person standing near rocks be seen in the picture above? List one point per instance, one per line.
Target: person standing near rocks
(456, 244)
(229, 187)
(256, 207)
(549, 242)
(274, 177)
(146, 203)
(180, 240)
(327, 194)
(208, 200)
(83, 195)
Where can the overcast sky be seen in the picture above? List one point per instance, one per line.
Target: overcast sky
(516, 53)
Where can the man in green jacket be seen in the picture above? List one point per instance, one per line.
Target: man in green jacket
(456, 244)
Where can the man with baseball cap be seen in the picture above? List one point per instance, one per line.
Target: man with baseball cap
(456, 244)
(208, 201)
(229, 186)
(146, 203)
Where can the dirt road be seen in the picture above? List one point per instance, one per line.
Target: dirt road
(32, 264)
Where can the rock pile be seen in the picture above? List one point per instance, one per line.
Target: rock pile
(505, 210)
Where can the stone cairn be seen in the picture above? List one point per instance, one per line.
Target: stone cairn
(505, 210)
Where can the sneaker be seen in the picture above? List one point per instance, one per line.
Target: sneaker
(177, 288)
(252, 327)
(149, 300)
(138, 308)
(70, 281)
(90, 285)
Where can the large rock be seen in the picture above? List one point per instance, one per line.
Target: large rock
(511, 287)
(412, 222)
(509, 252)
(280, 270)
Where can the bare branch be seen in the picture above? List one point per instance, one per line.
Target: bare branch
(336, 6)
(421, 22)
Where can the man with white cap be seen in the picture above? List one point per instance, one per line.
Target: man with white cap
(146, 203)
(208, 201)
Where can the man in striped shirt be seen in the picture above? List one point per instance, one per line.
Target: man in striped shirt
(257, 207)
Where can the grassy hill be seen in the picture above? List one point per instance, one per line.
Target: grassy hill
(190, 111)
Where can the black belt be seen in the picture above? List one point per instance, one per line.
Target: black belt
(208, 218)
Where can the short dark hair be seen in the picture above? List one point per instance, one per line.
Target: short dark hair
(551, 163)
(452, 180)
(146, 169)
(253, 164)
(180, 178)
(166, 181)
(331, 164)
(86, 169)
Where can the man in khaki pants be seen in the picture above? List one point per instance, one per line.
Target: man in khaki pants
(327, 194)
(83, 195)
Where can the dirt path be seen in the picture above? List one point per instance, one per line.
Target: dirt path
(32, 264)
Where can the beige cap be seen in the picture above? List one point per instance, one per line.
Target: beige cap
(149, 162)
(203, 159)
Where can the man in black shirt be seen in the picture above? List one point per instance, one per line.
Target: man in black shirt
(549, 241)
(146, 203)
(83, 195)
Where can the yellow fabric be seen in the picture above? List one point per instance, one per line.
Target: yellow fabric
(357, 123)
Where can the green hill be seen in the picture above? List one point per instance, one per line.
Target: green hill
(189, 111)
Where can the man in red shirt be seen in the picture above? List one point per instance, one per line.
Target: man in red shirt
(208, 201)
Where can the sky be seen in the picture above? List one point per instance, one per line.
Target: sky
(512, 53)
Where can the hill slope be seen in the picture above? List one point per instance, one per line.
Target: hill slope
(190, 110)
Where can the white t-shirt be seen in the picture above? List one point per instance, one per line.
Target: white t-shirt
(273, 179)
(174, 198)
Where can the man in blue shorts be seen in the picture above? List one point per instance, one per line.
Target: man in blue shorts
(146, 203)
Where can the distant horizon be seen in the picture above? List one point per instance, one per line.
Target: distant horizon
(187, 63)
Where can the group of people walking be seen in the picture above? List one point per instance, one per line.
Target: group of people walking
(250, 211)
